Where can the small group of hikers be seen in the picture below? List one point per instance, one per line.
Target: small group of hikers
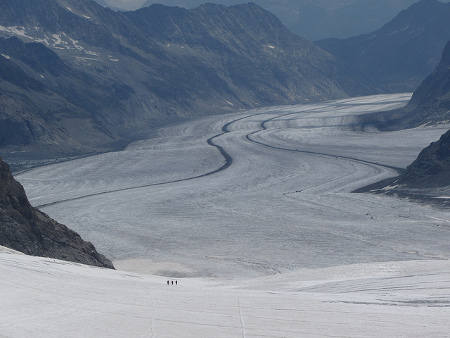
(168, 282)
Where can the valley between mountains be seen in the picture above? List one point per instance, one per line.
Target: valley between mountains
(249, 194)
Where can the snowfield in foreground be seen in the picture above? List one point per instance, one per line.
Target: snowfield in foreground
(252, 213)
(45, 297)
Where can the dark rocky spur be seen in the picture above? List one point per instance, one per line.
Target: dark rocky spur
(28, 230)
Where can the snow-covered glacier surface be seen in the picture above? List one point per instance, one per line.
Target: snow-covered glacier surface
(258, 192)
(252, 214)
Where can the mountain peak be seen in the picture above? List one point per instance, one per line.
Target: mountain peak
(445, 61)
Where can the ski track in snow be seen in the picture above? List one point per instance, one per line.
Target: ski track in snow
(253, 214)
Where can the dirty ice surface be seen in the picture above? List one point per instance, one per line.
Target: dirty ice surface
(252, 213)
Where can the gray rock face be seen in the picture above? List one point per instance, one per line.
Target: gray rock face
(430, 103)
(104, 76)
(401, 54)
(431, 168)
(26, 229)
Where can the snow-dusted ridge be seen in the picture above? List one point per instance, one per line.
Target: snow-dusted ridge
(38, 34)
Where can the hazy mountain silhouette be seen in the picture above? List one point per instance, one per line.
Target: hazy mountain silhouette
(319, 19)
(402, 53)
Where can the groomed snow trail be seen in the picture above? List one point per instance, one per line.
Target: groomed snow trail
(249, 194)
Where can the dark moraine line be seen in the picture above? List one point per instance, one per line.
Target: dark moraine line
(263, 128)
(227, 157)
(210, 141)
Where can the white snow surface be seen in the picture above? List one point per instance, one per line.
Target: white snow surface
(41, 297)
(271, 244)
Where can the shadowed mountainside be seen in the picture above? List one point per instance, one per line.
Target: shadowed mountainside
(26, 229)
(429, 104)
(431, 168)
(403, 52)
(86, 78)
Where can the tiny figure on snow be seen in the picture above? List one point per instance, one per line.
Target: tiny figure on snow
(167, 282)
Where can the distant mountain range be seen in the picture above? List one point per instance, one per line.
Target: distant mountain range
(85, 78)
(402, 53)
(26, 229)
(322, 19)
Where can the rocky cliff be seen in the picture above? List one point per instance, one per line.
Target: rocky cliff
(26, 229)
(430, 103)
(431, 168)
(426, 180)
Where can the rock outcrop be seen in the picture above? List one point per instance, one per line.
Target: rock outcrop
(431, 168)
(430, 103)
(28, 230)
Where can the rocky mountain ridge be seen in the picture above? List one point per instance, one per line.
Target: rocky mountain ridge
(118, 74)
(430, 103)
(403, 52)
(26, 229)
(316, 20)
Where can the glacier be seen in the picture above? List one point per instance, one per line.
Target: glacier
(253, 214)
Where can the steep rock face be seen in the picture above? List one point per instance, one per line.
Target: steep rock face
(245, 45)
(402, 53)
(431, 168)
(30, 231)
(41, 98)
(110, 75)
(430, 103)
